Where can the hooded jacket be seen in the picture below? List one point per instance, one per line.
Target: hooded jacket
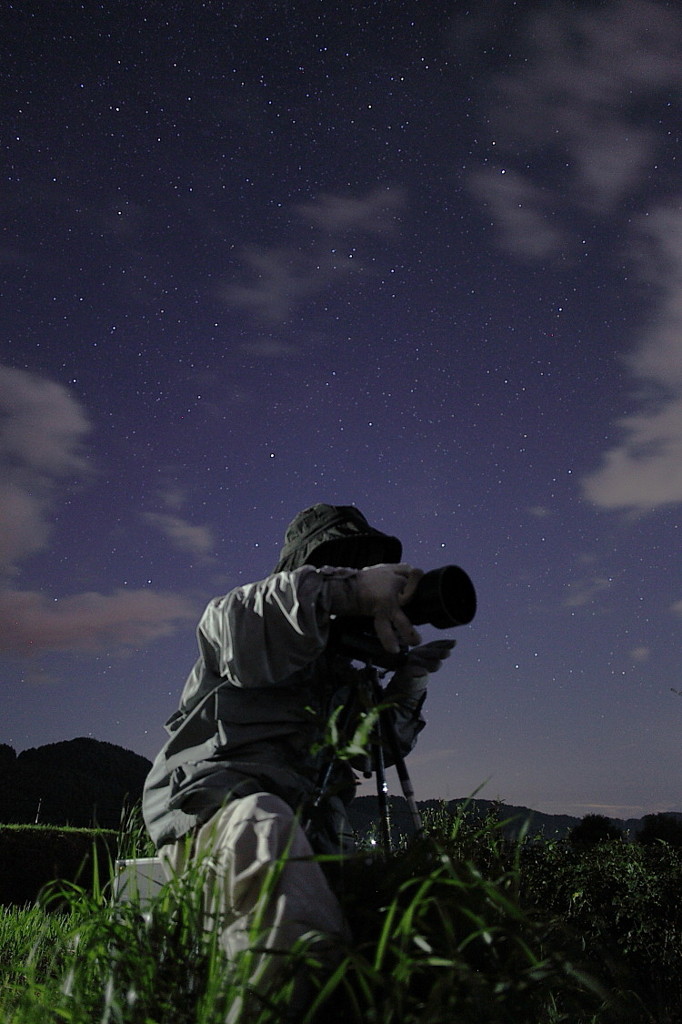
(254, 711)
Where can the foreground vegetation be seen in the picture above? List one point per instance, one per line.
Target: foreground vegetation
(460, 928)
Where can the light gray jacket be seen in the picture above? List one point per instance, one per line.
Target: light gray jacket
(255, 707)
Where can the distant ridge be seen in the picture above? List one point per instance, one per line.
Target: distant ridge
(84, 782)
(364, 812)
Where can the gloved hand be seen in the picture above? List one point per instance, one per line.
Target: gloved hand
(409, 681)
(380, 592)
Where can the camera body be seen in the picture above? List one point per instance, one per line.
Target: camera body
(444, 598)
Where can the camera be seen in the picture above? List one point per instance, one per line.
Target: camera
(444, 598)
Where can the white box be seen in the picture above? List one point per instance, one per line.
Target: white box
(138, 880)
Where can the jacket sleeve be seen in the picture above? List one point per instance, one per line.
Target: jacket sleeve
(406, 699)
(261, 633)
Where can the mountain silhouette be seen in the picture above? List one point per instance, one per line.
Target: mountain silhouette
(81, 782)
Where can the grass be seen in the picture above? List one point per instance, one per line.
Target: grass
(459, 928)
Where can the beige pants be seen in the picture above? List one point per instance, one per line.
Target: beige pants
(261, 872)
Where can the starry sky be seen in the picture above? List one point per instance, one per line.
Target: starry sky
(424, 258)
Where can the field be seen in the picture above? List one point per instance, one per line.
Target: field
(462, 927)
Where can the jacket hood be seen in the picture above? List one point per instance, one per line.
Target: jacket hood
(335, 535)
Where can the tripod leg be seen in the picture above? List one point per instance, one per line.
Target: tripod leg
(403, 775)
(408, 793)
(382, 796)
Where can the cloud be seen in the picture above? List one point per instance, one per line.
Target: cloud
(280, 277)
(576, 101)
(611, 810)
(584, 591)
(31, 623)
(42, 424)
(659, 240)
(198, 540)
(42, 428)
(372, 214)
(23, 525)
(576, 104)
(42, 431)
(519, 211)
(644, 469)
(183, 535)
(589, 72)
(172, 496)
(610, 160)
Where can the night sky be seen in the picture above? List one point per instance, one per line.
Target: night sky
(420, 257)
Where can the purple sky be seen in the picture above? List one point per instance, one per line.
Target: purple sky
(421, 258)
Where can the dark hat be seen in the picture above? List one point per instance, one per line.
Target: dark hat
(335, 535)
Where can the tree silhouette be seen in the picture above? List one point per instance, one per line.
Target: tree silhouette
(8, 756)
(665, 828)
(593, 829)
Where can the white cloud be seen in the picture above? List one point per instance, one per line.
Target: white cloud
(42, 424)
(577, 99)
(540, 511)
(518, 210)
(31, 623)
(279, 277)
(373, 214)
(588, 72)
(582, 592)
(198, 540)
(23, 523)
(172, 496)
(610, 160)
(42, 428)
(659, 242)
(644, 469)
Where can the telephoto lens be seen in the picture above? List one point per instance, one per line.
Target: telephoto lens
(444, 598)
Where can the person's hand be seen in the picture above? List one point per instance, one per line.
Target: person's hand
(381, 591)
(408, 683)
(427, 658)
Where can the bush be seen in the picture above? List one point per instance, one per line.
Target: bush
(663, 828)
(31, 856)
(621, 901)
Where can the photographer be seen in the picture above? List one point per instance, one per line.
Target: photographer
(241, 768)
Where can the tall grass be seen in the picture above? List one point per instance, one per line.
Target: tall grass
(443, 934)
(32, 945)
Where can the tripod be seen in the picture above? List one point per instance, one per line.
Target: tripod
(385, 732)
(369, 693)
